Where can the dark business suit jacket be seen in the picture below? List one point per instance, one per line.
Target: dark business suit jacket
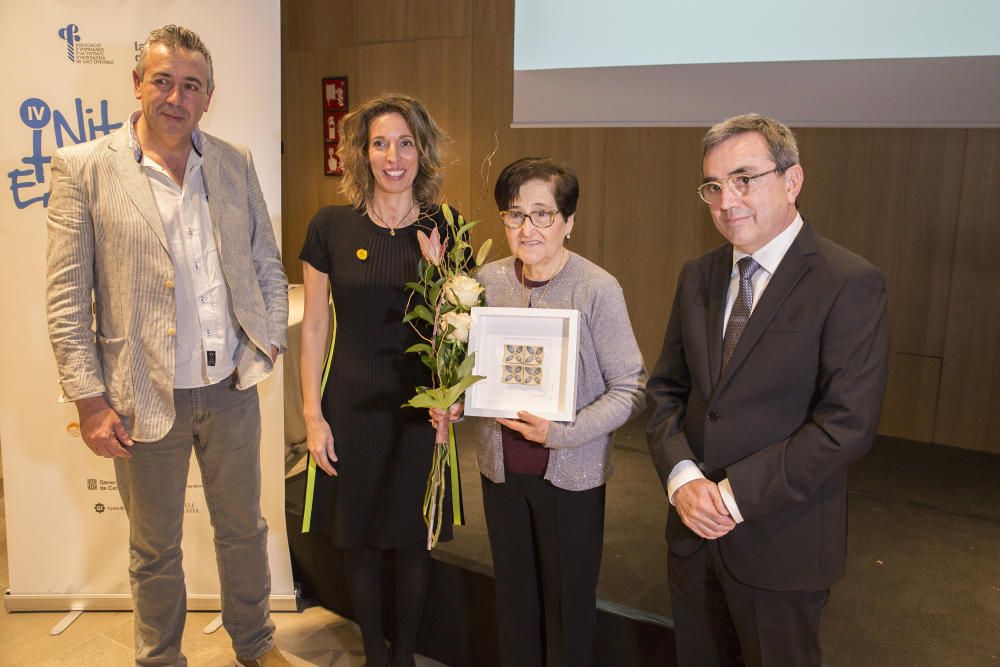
(798, 402)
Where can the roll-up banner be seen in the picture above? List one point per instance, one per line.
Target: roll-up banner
(67, 79)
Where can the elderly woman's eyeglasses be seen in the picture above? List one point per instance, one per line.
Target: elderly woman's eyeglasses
(541, 219)
(740, 185)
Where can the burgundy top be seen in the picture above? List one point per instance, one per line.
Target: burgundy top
(520, 455)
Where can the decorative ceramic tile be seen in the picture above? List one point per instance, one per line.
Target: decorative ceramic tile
(522, 364)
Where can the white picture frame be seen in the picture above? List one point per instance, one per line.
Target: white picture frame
(529, 357)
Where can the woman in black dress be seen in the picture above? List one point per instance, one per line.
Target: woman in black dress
(376, 456)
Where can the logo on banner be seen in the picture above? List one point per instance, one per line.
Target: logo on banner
(101, 484)
(71, 34)
(83, 123)
(101, 508)
(82, 53)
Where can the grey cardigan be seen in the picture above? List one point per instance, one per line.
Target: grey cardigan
(610, 373)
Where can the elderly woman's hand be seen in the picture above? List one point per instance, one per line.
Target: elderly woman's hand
(454, 414)
(534, 429)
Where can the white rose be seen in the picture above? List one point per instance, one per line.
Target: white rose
(462, 291)
(460, 322)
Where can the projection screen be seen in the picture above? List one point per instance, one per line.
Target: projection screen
(859, 63)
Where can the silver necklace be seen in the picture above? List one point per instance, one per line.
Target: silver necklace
(526, 291)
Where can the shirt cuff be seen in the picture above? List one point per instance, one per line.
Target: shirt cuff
(726, 489)
(684, 472)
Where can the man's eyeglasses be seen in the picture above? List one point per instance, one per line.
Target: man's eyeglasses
(740, 185)
(540, 218)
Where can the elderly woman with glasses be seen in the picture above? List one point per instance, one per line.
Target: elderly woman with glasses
(543, 481)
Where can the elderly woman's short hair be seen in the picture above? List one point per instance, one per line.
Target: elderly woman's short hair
(565, 186)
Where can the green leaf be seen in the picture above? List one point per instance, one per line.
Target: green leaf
(416, 287)
(443, 397)
(435, 293)
(423, 348)
(465, 368)
(453, 393)
(431, 398)
(420, 311)
(448, 214)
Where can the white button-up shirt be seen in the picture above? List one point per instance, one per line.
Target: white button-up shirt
(206, 329)
(769, 257)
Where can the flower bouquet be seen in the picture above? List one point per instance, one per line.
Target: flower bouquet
(446, 292)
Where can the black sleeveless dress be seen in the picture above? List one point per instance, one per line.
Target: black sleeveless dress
(384, 450)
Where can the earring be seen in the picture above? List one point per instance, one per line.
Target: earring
(567, 237)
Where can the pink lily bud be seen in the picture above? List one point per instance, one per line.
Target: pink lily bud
(431, 247)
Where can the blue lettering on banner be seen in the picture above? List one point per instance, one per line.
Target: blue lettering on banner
(27, 186)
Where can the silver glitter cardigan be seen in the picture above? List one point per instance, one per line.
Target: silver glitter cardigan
(610, 373)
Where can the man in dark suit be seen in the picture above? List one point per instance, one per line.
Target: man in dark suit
(769, 385)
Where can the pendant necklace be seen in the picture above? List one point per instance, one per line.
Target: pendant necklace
(392, 228)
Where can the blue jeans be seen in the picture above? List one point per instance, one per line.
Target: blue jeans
(222, 425)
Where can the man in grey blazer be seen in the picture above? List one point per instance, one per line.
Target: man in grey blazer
(769, 385)
(166, 228)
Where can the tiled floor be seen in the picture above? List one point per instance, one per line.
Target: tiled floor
(104, 639)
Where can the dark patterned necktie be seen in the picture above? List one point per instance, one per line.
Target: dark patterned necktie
(740, 313)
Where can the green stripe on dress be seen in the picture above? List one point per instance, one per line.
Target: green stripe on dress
(311, 474)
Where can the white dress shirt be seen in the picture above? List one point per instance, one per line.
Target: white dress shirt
(207, 332)
(768, 257)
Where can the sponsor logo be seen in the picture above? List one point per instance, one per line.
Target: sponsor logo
(71, 34)
(101, 484)
(79, 52)
(101, 508)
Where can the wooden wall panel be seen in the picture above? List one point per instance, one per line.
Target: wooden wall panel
(654, 221)
(305, 188)
(406, 20)
(316, 25)
(582, 149)
(922, 204)
(968, 411)
(910, 397)
(490, 17)
(438, 72)
(891, 195)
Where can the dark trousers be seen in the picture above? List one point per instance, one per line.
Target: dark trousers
(546, 545)
(721, 621)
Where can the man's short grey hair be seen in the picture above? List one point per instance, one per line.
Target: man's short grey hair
(175, 37)
(781, 142)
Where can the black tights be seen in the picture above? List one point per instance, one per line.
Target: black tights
(412, 565)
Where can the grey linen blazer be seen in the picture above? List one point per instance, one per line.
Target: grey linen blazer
(106, 238)
(610, 374)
